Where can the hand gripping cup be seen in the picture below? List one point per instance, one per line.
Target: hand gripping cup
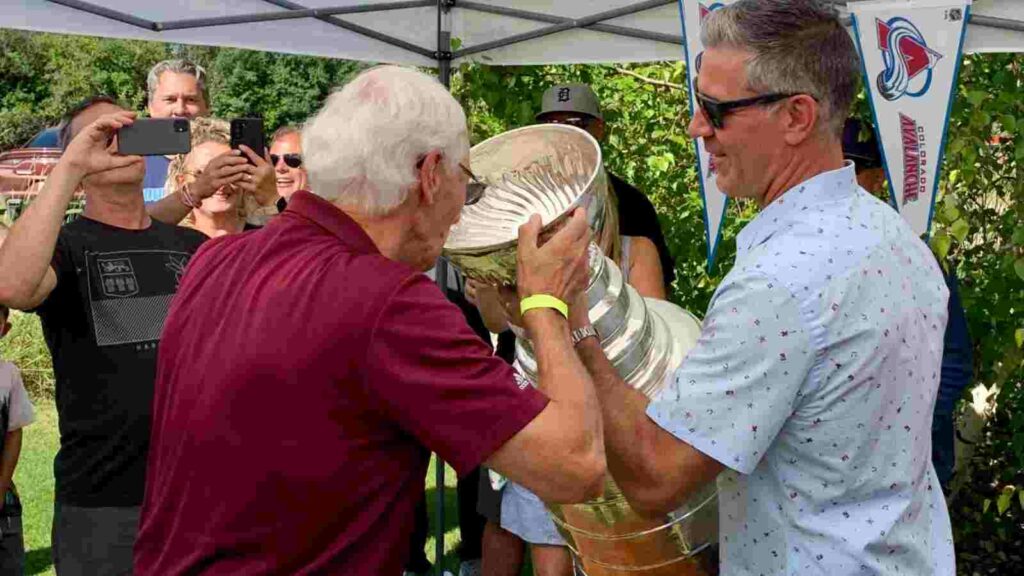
(550, 170)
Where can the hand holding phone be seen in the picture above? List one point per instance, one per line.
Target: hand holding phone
(262, 182)
(228, 169)
(248, 131)
(155, 137)
(92, 150)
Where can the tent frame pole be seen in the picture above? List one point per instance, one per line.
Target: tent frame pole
(561, 24)
(558, 23)
(443, 55)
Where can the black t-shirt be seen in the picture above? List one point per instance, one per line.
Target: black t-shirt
(102, 324)
(638, 218)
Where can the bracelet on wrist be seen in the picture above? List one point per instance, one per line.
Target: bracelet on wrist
(543, 301)
(186, 197)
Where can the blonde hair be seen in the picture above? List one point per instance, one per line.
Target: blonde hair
(204, 131)
(610, 242)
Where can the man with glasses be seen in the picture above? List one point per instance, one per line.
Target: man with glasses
(812, 385)
(305, 452)
(577, 105)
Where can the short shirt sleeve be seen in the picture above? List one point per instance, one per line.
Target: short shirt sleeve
(21, 413)
(739, 385)
(440, 382)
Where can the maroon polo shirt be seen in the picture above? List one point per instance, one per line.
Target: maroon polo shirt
(303, 379)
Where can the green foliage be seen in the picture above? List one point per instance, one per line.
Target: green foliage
(43, 75)
(646, 113)
(25, 347)
(282, 88)
(978, 232)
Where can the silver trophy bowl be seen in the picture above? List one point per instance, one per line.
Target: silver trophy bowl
(550, 170)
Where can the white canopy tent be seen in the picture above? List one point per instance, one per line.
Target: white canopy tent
(418, 32)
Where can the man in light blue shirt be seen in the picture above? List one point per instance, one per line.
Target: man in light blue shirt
(812, 386)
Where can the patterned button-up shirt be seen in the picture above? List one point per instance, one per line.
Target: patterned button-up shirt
(813, 382)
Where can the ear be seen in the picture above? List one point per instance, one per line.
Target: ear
(430, 178)
(801, 118)
(596, 129)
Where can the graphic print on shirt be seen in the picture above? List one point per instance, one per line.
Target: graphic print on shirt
(130, 293)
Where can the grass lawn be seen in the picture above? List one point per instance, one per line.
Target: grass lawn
(34, 478)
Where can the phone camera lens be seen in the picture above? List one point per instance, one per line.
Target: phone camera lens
(181, 126)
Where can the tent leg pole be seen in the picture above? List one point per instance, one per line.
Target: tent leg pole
(444, 72)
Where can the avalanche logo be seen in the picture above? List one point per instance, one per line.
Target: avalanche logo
(907, 59)
(915, 158)
(705, 10)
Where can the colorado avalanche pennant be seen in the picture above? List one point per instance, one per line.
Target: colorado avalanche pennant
(693, 13)
(910, 52)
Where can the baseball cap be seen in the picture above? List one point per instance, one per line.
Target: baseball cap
(577, 98)
(864, 152)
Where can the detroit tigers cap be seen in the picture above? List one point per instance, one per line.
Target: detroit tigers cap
(577, 98)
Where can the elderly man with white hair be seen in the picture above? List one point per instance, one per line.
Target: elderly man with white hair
(814, 379)
(307, 369)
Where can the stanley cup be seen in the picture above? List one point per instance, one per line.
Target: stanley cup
(551, 170)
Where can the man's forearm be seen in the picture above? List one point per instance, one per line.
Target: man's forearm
(8, 460)
(624, 416)
(26, 254)
(561, 375)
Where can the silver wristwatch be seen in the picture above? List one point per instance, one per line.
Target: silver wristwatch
(585, 332)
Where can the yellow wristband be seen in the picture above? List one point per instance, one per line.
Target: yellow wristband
(543, 301)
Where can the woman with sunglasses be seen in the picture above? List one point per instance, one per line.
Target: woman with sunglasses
(286, 157)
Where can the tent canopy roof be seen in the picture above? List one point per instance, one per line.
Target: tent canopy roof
(406, 31)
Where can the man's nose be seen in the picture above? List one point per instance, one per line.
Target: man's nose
(699, 126)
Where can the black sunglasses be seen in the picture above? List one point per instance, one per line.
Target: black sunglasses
(580, 122)
(292, 160)
(716, 111)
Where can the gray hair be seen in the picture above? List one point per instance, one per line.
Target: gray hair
(797, 46)
(286, 130)
(177, 66)
(362, 147)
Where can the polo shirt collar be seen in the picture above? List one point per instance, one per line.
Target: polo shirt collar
(808, 194)
(332, 219)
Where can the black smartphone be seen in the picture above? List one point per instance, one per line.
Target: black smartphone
(248, 131)
(155, 137)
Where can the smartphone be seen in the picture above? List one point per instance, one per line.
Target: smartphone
(248, 131)
(155, 137)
